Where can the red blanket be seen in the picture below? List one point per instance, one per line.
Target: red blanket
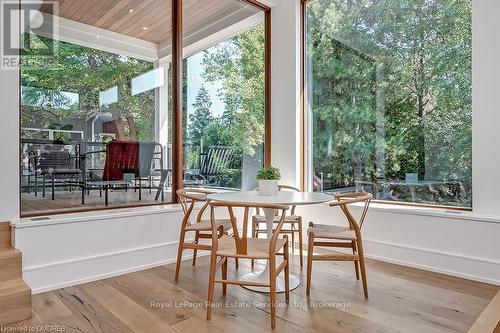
(120, 155)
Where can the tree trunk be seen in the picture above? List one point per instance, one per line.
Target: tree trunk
(132, 128)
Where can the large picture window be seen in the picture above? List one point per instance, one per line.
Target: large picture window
(225, 112)
(100, 107)
(389, 99)
(91, 111)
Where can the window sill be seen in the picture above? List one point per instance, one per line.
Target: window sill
(99, 214)
(439, 212)
(96, 215)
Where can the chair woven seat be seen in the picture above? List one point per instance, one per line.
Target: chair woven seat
(205, 225)
(198, 224)
(240, 246)
(257, 248)
(332, 232)
(338, 236)
(292, 223)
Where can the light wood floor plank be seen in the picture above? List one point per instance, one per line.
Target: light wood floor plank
(401, 299)
(148, 289)
(49, 307)
(489, 320)
(425, 307)
(91, 313)
(256, 318)
(135, 316)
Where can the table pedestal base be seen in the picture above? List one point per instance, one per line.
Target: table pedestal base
(287, 198)
(263, 276)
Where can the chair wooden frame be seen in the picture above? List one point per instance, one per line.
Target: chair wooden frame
(356, 243)
(243, 249)
(188, 199)
(295, 227)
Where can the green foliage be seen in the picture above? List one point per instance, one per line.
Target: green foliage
(239, 64)
(201, 118)
(86, 72)
(270, 173)
(391, 92)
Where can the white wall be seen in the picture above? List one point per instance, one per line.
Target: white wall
(70, 250)
(9, 146)
(285, 87)
(458, 244)
(486, 107)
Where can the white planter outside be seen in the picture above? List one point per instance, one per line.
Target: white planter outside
(268, 187)
(128, 177)
(411, 177)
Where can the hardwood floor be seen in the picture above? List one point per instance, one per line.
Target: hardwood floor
(489, 320)
(401, 299)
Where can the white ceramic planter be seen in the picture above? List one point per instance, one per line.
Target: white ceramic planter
(411, 177)
(128, 177)
(268, 187)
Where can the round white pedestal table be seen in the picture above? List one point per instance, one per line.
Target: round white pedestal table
(287, 198)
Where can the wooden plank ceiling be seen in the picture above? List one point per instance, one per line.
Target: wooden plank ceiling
(149, 20)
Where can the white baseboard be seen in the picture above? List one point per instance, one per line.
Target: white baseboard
(68, 273)
(467, 267)
(116, 263)
(65, 284)
(62, 274)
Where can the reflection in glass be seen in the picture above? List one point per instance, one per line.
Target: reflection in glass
(148, 81)
(390, 98)
(224, 100)
(108, 97)
(94, 130)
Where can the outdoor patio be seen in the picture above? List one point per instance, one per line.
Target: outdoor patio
(73, 200)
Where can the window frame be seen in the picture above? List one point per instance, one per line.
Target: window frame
(305, 138)
(177, 112)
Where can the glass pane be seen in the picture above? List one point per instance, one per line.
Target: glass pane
(94, 105)
(390, 98)
(224, 96)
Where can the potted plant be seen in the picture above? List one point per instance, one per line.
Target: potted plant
(268, 180)
(129, 174)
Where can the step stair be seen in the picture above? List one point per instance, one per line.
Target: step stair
(15, 294)
(489, 320)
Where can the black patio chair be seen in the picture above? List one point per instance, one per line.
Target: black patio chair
(59, 167)
(216, 161)
(104, 168)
